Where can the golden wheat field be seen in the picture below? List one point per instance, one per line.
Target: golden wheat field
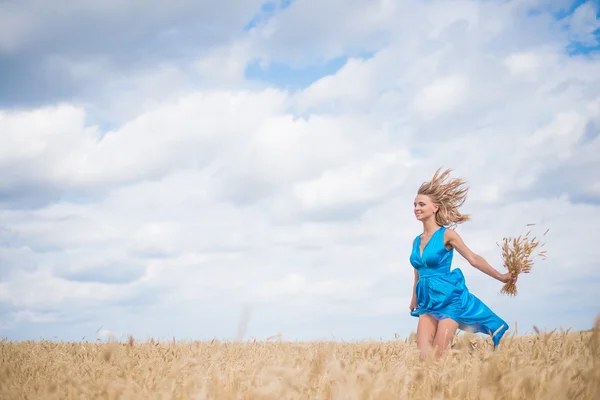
(555, 365)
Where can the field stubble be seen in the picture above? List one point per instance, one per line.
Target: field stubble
(555, 365)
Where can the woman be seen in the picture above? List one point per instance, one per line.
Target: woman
(440, 298)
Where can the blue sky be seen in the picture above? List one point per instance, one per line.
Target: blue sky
(163, 171)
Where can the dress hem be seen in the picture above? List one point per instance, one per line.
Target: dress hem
(463, 326)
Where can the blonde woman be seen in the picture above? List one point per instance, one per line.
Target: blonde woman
(441, 300)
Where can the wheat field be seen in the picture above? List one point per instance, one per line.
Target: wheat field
(554, 365)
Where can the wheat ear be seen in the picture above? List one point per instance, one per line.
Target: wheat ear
(517, 257)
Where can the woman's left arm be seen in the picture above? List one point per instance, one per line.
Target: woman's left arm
(454, 240)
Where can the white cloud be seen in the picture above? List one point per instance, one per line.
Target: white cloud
(441, 96)
(285, 37)
(584, 22)
(335, 88)
(52, 145)
(36, 18)
(524, 64)
(561, 134)
(20, 316)
(14, 27)
(42, 290)
(211, 197)
(354, 183)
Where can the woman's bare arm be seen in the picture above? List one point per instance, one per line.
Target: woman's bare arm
(415, 282)
(413, 301)
(475, 260)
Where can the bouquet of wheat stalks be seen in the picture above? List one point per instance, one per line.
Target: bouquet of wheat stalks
(517, 257)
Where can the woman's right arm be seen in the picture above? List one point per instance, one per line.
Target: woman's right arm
(415, 282)
(413, 301)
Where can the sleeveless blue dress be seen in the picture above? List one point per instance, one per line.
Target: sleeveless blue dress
(442, 292)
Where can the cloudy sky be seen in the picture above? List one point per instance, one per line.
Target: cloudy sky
(171, 168)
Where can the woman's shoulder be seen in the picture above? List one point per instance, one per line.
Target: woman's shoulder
(415, 239)
(450, 234)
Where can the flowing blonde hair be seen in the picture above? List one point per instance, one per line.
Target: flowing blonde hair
(448, 196)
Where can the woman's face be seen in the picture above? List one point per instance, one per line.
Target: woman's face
(424, 207)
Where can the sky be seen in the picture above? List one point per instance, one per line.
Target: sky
(241, 169)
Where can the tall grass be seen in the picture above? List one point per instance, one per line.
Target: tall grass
(555, 365)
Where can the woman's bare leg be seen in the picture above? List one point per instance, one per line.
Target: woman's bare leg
(445, 332)
(426, 332)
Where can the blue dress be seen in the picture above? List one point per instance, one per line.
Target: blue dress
(442, 292)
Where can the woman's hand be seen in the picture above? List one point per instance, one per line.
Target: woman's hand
(507, 277)
(413, 303)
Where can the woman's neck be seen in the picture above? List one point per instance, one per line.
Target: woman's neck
(430, 226)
